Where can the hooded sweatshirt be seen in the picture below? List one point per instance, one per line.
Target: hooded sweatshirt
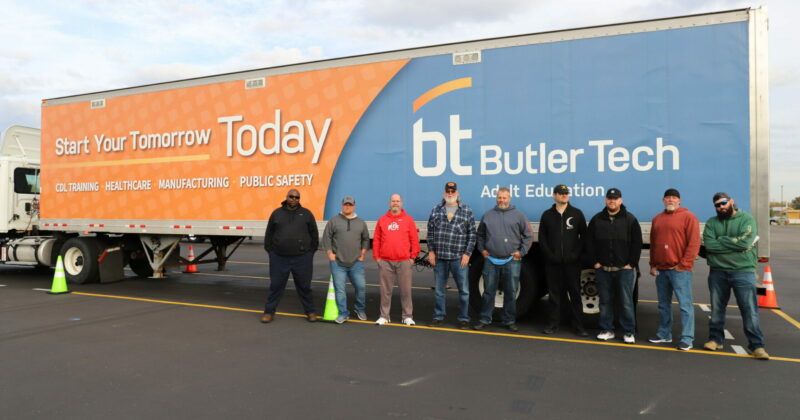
(614, 241)
(561, 235)
(291, 232)
(395, 238)
(730, 243)
(503, 232)
(674, 240)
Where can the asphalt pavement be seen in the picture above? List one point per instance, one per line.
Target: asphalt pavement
(192, 346)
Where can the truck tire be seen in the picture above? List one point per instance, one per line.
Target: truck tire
(140, 265)
(80, 260)
(527, 295)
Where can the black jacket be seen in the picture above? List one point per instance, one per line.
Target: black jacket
(617, 242)
(561, 236)
(291, 232)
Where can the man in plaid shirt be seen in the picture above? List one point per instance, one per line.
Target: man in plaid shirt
(451, 239)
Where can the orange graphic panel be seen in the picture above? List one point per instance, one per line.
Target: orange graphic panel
(210, 152)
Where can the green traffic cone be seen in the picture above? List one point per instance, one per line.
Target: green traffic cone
(59, 280)
(331, 310)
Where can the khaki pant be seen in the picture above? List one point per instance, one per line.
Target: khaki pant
(399, 271)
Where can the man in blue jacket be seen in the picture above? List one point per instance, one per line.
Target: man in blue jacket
(291, 239)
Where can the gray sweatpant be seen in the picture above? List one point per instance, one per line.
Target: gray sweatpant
(399, 271)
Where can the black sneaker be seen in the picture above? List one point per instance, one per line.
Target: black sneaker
(684, 346)
(512, 327)
(581, 332)
(550, 329)
(657, 339)
(479, 326)
(464, 325)
(435, 323)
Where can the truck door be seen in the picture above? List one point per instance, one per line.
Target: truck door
(24, 204)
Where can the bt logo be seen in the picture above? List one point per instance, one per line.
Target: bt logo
(438, 139)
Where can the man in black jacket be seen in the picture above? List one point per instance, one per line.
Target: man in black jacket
(291, 239)
(614, 242)
(561, 232)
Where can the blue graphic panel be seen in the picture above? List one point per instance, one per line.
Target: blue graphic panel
(640, 112)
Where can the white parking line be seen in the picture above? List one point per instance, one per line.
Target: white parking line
(42, 290)
(2, 285)
(739, 349)
(705, 308)
(728, 335)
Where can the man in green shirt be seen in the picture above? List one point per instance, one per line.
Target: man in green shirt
(730, 240)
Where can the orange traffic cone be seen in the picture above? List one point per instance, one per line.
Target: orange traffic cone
(769, 300)
(191, 268)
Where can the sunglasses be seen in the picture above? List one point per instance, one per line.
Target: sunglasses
(721, 203)
(295, 197)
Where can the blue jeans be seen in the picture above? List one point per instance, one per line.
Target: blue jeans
(680, 282)
(743, 284)
(441, 271)
(357, 279)
(611, 284)
(508, 274)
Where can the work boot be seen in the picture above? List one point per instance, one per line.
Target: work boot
(312, 317)
(712, 345)
(267, 318)
(760, 353)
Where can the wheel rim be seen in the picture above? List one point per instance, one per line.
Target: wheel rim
(73, 261)
(590, 296)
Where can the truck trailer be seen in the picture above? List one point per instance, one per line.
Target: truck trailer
(120, 176)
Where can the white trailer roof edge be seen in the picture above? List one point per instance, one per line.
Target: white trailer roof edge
(703, 19)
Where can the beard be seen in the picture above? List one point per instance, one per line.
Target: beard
(670, 208)
(725, 214)
(451, 200)
(503, 206)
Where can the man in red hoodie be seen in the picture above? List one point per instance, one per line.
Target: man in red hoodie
(394, 247)
(674, 244)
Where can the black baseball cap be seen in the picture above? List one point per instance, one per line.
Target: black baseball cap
(613, 193)
(672, 192)
(719, 195)
(451, 186)
(561, 189)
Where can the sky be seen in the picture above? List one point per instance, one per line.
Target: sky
(53, 48)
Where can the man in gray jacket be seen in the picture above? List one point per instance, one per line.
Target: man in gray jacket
(346, 241)
(504, 237)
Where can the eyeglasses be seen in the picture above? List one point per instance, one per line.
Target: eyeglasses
(295, 197)
(721, 203)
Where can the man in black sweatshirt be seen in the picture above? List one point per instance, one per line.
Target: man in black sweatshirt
(614, 242)
(562, 229)
(291, 239)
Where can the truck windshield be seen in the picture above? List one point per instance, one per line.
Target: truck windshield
(26, 181)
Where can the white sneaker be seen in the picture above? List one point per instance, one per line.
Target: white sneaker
(629, 339)
(409, 321)
(381, 321)
(605, 335)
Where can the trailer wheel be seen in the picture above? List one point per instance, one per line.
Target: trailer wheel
(590, 295)
(526, 294)
(80, 260)
(139, 264)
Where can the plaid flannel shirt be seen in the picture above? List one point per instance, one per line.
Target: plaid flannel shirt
(450, 239)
